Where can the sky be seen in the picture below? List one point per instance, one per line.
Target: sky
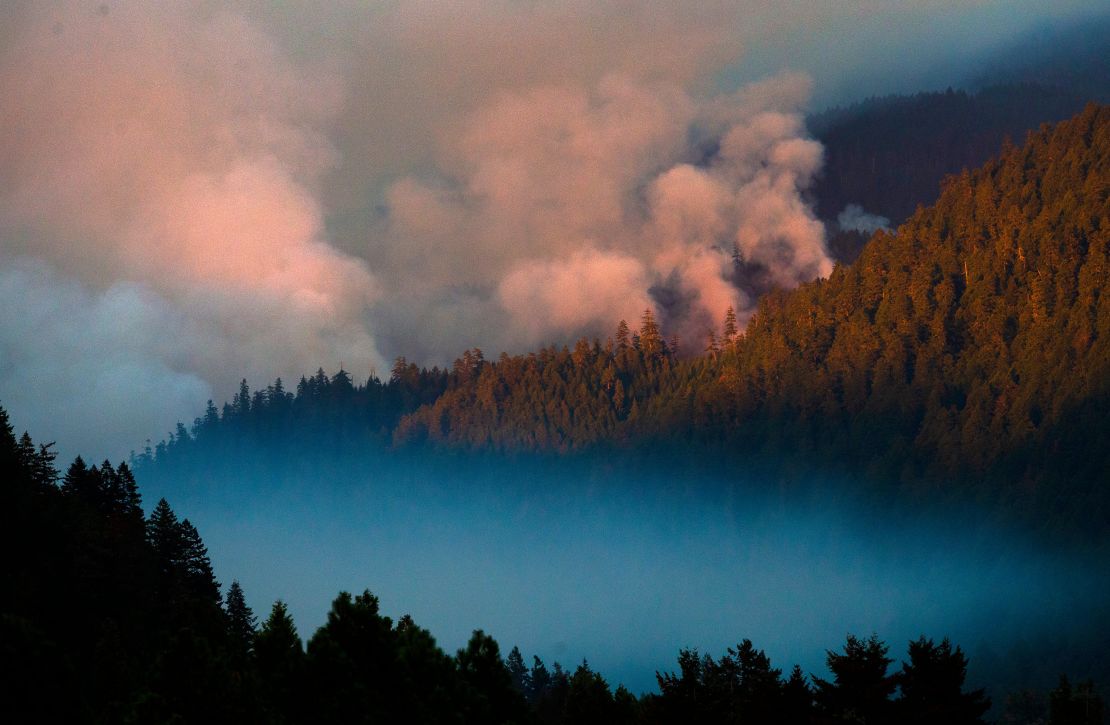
(198, 192)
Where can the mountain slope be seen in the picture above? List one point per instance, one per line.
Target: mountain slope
(974, 342)
(967, 352)
(976, 331)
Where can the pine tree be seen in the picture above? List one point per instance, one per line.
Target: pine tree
(353, 657)
(242, 400)
(623, 334)
(163, 532)
(240, 620)
(280, 660)
(861, 688)
(539, 680)
(341, 383)
(211, 416)
(9, 449)
(37, 463)
(589, 700)
(932, 686)
(130, 501)
(651, 339)
(79, 481)
(757, 683)
(197, 566)
(730, 328)
(797, 697)
(522, 680)
(25, 451)
(492, 697)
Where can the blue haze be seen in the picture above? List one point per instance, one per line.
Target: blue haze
(625, 572)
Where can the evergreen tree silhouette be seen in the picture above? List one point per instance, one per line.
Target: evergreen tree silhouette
(861, 688)
(797, 698)
(240, 621)
(518, 671)
(491, 697)
(280, 661)
(931, 686)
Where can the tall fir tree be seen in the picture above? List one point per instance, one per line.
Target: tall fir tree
(240, 620)
(651, 339)
(931, 685)
(860, 690)
(280, 661)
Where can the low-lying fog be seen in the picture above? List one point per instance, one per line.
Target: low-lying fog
(624, 573)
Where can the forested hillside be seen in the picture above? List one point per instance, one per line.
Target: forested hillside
(971, 348)
(974, 340)
(972, 344)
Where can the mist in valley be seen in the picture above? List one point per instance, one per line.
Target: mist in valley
(578, 560)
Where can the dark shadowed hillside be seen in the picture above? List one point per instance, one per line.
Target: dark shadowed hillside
(888, 155)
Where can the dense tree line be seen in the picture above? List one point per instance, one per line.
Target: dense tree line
(107, 615)
(326, 415)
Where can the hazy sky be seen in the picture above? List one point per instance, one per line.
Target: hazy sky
(192, 193)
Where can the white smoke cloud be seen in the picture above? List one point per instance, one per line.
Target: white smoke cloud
(586, 290)
(85, 368)
(169, 157)
(576, 203)
(854, 218)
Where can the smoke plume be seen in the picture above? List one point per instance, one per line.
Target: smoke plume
(276, 188)
(854, 218)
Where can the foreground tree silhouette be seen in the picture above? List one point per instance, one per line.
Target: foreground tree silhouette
(240, 621)
(797, 698)
(1080, 705)
(932, 687)
(163, 532)
(589, 700)
(518, 671)
(861, 688)
(196, 566)
(490, 695)
(428, 684)
(351, 662)
(280, 661)
(740, 687)
(110, 618)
